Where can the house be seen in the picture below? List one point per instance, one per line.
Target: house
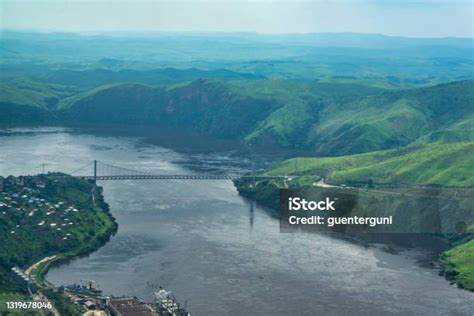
(89, 305)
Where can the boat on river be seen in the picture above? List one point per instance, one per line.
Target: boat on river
(167, 305)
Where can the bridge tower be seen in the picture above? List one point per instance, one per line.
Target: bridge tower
(95, 171)
(253, 175)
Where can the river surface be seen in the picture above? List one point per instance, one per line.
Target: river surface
(205, 243)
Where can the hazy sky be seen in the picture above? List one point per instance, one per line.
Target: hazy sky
(415, 18)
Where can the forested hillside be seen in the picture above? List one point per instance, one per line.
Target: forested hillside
(326, 119)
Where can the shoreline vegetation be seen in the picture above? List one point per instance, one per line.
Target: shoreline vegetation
(458, 265)
(354, 176)
(69, 215)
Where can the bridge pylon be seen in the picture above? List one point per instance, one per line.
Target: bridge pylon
(253, 175)
(95, 171)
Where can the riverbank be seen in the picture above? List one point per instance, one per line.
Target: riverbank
(48, 220)
(458, 265)
(456, 254)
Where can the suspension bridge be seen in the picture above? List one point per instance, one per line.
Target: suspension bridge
(101, 171)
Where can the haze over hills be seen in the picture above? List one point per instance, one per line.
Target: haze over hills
(405, 61)
(328, 94)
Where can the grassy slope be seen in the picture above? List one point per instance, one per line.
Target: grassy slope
(24, 101)
(32, 93)
(301, 105)
(347, 118)
(459, 264)
(395, 119)
(437, 163)
(68, 101)
(201, 107)
(260, 111)
(331, 119)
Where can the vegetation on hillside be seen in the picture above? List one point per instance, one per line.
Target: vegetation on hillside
(459, 264)
(22, 91)
(326, 119)
(41, 216)
(432, 164)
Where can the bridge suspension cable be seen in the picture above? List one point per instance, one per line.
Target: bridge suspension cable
(105, 169)
(80, 168)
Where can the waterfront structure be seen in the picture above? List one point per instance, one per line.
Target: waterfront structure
(167, 305)
(24, 279)
(129, 306)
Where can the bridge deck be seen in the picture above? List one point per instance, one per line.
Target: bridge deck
(180, 177)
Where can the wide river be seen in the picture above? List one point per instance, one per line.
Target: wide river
(205, 243)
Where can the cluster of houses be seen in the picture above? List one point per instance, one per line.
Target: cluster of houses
(22, 195)
(112, 306)
(165, 304)
(24, 204)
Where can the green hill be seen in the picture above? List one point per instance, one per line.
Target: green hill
(432, 164)
(201, 106)
(395, 119)
(26, 92)
(324, 118)
(346, 118)
(459, 264)
(265, 112)
(23, 101)
(301, 109)
(95, 77)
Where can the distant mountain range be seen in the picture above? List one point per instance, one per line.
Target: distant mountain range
(420, 61)
(397, 101)
(327, 119)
